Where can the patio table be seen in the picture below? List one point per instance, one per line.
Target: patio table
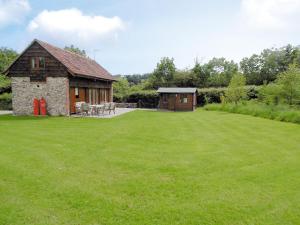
(93, 108)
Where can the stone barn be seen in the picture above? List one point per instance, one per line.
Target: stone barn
(61, 77)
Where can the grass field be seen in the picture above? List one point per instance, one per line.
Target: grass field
(149, 168)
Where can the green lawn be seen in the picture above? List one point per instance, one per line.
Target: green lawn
(149, 168)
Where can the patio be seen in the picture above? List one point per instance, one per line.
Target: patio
(5, 112)
(118, 112)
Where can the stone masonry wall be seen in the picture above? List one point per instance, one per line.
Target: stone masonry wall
(55, 91)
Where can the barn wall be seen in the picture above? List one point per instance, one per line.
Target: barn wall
(22, 67)
(55, 91)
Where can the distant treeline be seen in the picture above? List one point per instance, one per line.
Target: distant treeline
(217, 72)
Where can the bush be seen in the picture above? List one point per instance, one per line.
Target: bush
(254, 108)
(4, 84)
(213, 95)
(236, 89)
(144, 99)
(5, 101)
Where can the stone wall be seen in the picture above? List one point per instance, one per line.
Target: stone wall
(55, 91)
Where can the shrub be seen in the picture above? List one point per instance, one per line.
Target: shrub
(289, 81)
(275, 112)
(236, 90)
(269, 94)
(213, 95)
(4, 84)
(5, 101)
(145, 99)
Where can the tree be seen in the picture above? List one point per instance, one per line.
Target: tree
(236, 90)
(164, 73)
(271, 62)
(270, 93)
(251, 68)
(200, 75)
(76, 50)
(289, 82)
(220, 71)
(121, 87)
(7, 56)
(185, 78)
(137, 78)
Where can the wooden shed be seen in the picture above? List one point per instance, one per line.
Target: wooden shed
(177, 99)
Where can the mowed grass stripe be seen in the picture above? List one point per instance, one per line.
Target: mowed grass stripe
(149, 168)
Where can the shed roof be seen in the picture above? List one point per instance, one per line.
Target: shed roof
(176, 90)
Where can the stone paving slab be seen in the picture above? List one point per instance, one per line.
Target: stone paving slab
(5, 112)
(119, 111)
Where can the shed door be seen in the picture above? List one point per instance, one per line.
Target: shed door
(171, 101)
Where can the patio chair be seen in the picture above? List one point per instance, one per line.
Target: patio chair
(105, 108)
(85, 109)
(112, 107)
(78, 107)
(99, 109)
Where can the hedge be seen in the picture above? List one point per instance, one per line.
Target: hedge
(150, 99)
(144, 99)
(5, 101)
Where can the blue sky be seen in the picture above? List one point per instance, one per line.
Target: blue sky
(130, 36)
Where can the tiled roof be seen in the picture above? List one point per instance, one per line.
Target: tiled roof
(176, 90)
(77, 64)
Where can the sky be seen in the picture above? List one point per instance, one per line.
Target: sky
(131, 36)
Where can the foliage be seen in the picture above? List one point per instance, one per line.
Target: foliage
(214, 95)
(286, 88)
(200, 74)
(236, 89)
(266, 66)
(136, 79)
(163, 75)
(185, 78)
(289, 82)
(5, 101)
(7, 56)
(5, 83)
(145, 99)
(149, 168)
(255, 108)
(76, 50)
(121, 88)
(270, 94)
(220, 71)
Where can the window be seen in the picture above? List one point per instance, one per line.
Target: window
(37, 63)
(183, 98)
(76, 92)
(42, 62)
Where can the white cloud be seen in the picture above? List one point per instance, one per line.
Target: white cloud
(72, 26)
(271, 14)
(13, 11)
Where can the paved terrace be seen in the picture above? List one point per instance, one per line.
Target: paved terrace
(119, 111)
(3, 112)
